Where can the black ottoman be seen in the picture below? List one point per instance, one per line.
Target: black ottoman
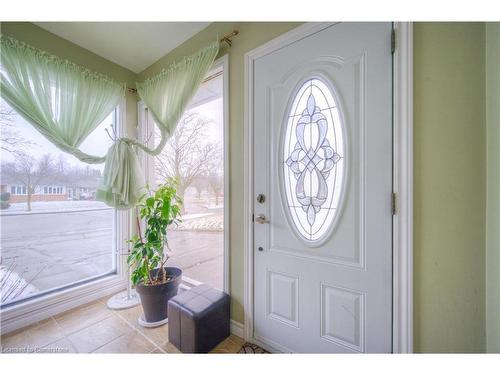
(198, 319)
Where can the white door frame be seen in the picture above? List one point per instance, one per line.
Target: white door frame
(402, 179)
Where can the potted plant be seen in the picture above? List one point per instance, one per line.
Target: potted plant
(154, 282)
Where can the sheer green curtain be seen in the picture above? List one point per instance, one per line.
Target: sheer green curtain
(63, 101)
(66, 102)
(166, 95)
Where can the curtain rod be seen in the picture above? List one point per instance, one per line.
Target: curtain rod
(225, 39)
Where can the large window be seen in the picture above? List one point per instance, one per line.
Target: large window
(194, 156)
(54, 233)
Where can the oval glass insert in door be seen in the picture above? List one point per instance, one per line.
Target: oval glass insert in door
(313, 160)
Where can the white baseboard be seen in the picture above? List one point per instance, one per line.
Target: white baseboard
(237, 329)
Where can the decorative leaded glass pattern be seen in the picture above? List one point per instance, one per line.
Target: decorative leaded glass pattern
(313, 155)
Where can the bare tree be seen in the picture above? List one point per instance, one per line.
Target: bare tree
(62, 165)
(215, 173)
(11, 140)
(30, 173)
(200, 184)
(187, 152)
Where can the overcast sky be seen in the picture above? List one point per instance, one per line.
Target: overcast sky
(98, 141)
(96, 144)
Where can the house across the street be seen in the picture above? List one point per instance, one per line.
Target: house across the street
(82, 189)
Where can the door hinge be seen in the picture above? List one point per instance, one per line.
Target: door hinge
(393, 41)
(253, 218)
(393, 203)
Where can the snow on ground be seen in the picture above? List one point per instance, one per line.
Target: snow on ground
(62, 206)
(14, 286)
(197, 221)
(210, 222)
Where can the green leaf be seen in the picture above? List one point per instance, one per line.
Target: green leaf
(158, 209)
(165, 211)
(150, 202)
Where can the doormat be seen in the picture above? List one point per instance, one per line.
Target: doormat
(249, 348)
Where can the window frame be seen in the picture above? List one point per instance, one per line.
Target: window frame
(145, 128)
(32, 310)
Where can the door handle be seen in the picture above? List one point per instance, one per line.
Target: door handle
(261, 219)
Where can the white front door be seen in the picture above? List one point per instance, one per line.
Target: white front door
(322, 167)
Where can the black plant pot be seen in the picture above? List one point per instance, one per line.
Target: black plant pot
(154, 298)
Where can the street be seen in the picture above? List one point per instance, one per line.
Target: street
(54, 249)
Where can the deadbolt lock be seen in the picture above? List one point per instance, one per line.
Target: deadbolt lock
(261, 198)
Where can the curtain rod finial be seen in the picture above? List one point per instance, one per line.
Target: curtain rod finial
(227, 38)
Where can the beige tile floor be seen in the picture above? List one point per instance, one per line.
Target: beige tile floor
(93, 328)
